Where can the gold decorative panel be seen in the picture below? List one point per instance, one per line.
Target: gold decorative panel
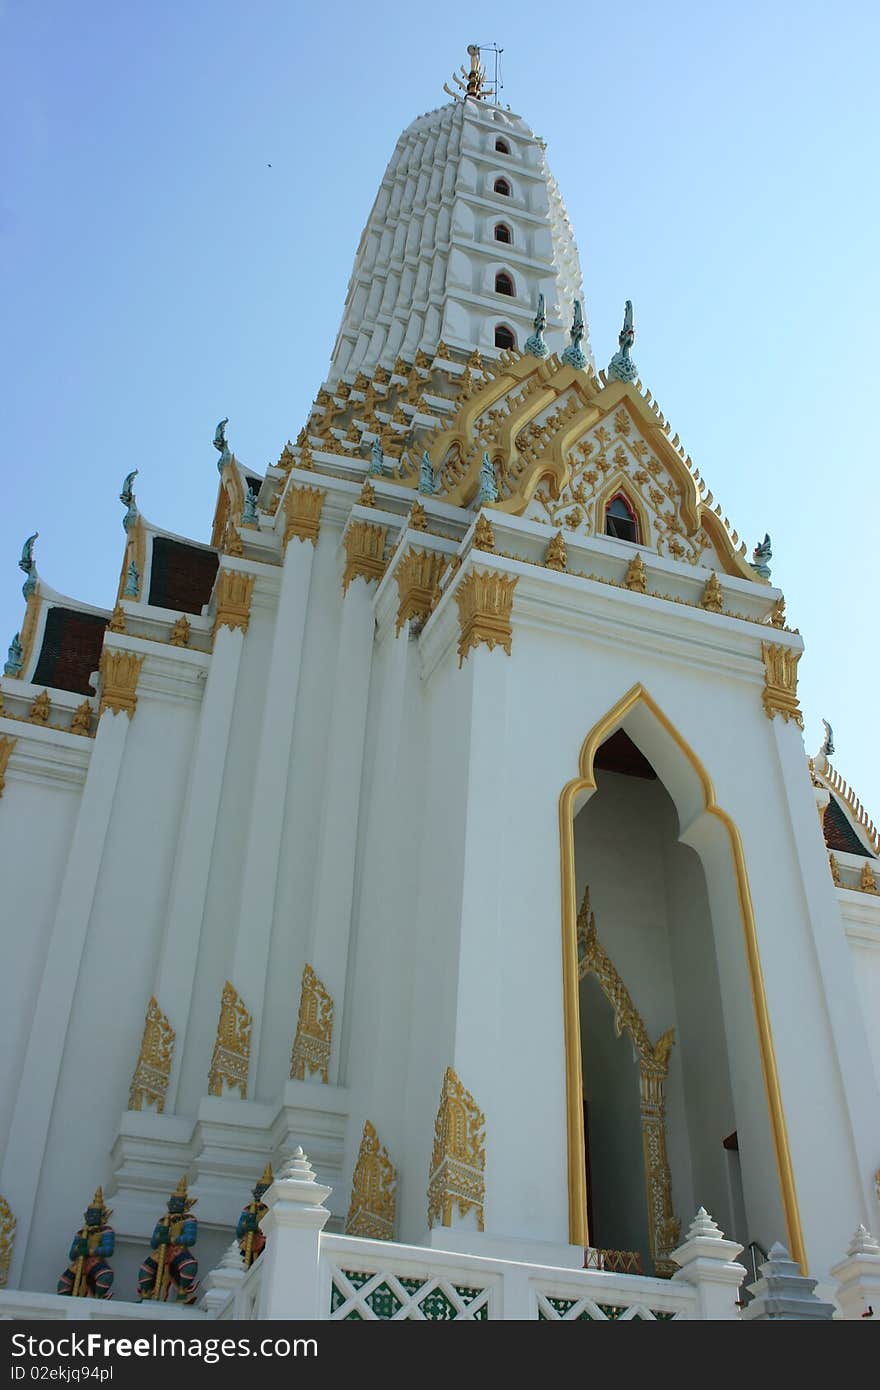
(7, 1240)
(418, 584)
(458, 1161)
(780, 682)
(120, 672)
(314, 1030)
(364, 552)
(232, 1049)
(6, 746)
(373, 1191)
(485, 604)
(234, 592)
(153, 1067)
(302, 510)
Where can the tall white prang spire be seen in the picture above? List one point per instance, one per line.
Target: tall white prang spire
(467, 230)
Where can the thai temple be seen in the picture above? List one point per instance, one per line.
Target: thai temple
(436, 833)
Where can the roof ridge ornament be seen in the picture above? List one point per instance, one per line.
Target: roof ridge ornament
(761, 557)
(473, 83)
(221, 445)
(28, 565)
(534, 344)
(574, 355)
(828, 746)
(621, 367)
(127, 499)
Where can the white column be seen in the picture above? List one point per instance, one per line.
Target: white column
(858, 1278)
(334, 874)
(189, 881)
(34, 1103)
(290, 1283)
(266, 822)
(708, 1262)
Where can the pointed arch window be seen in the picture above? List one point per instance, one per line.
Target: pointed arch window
(504, 283)
(502, 146)
(503, 233)
(504, 337)
(502, 187)
(621, 520)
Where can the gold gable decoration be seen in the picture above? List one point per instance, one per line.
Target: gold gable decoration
(232, 1049)
(458, 1160)
(314, 1030)
(7, 1240)
(593, 959)
(153, 1067)
(373, 1190)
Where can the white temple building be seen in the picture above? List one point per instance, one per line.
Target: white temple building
(446, 814)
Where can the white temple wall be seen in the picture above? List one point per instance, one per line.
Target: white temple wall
(120, 953)
(37, 817)
(860, 919)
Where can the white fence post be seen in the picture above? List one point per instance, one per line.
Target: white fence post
(221, 1282)
(708, 1262)
(858, 1278)
(783, 1294)
(293, 1225)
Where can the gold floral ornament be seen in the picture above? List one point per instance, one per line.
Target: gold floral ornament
(117, 619)
(458, 1161)
(485, 605)
(780, 682)
(120, 672)
(373, 1191)
(364, 552)
(835, 869)
(232, 1048)
(417, 519)
(314, 1030)
(7, 1240)
(418, 584)
(153, 1067)
(484, 535)
(234, 592)
(593, 959)
(6, 746)
(367, 494)
(868, 883)
(81, 723)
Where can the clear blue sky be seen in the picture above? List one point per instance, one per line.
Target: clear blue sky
(720, 167)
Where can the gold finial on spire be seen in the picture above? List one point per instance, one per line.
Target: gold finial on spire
(472, 83)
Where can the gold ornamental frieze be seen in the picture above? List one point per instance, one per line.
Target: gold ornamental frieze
(364, 552)
(780, 682)
(418, 576)
(120, 672)
(458, 1161)
(232, 1049)
(373, 1190)
(314, 1030)
(234, 591)
(153, 1067)
(593, 959)
(485, 605)
(302, 513)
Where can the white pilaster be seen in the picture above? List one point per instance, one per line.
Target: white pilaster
(266, 822)
(858, 1278)
(708, 1262)
(334, 874)
(32, 1114)
(192, 866)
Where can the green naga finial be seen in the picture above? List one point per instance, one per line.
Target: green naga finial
(14, 657)
(574, 354)
(132, 581)
(375, 468)
(126, 497)
(535, 344)
(220, 444)
(488, 482)
(427, 486)
(26, 563)
(621, 367)
(249, 514)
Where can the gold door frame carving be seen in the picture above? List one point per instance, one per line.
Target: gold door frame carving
(663, 1225)
(582, 787)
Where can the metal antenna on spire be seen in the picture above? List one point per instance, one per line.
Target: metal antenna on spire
(474, 82)
(496, 83)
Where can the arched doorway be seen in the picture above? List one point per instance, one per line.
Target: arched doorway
(712, 856)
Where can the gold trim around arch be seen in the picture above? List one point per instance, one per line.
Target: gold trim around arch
(577, 1197)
